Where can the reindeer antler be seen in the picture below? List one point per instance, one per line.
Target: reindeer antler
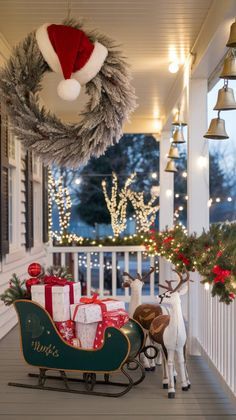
(147, 274)
(128, 275)
(169, 287)
(182, 279)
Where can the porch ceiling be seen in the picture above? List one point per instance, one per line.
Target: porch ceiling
(152, 33)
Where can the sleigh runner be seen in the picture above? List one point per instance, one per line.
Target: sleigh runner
(43, 347)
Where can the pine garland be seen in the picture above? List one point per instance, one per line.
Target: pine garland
(16, 290)
(213, 255)
(111, 101)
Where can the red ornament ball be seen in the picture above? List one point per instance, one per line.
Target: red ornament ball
(34, 269)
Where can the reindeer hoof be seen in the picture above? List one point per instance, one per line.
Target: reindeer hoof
(165, 386)
(171, 394)
(185, 388)
(147, 369)
(189, 386)
(153, 368)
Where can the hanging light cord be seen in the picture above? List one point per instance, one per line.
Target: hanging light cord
(68, 10)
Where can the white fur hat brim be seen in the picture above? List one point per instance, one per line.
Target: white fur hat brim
(84, 75)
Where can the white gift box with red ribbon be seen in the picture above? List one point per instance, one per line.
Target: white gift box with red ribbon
(88, 315)
(56, 299)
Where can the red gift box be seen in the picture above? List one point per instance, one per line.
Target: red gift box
(66, 330)
(110, 319)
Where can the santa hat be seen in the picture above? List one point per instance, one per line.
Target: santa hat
(69, 51)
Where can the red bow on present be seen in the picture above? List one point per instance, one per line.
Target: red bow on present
(31, 282)
(55, 281)
(221, 274)
(93, 299)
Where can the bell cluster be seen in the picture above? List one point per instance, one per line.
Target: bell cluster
(177, 138)
(225, 99)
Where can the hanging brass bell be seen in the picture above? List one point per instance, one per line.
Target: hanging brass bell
(177, 120)
(173, 152)
(229, 68)
(178, 136)
(216, 130)
(232, 37)
(225, 100)
(170, 166)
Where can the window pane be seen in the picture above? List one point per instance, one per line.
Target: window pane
(222, 164)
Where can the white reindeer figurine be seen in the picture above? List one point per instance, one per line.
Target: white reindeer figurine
(136, 285)
(169, 331)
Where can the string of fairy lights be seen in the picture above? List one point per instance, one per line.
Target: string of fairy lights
(144, 216)
(61, 196)
(145, 213)
(107, 264)
(117, 203)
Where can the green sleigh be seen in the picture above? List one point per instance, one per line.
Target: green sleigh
(43, 347)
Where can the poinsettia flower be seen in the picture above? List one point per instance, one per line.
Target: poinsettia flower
(182, 257)
(221, 275)
(168, 239)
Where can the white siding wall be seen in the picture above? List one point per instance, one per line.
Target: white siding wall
(18, 258)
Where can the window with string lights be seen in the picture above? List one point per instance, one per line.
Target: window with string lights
(180, 183)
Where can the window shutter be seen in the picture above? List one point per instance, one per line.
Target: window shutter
(45, 203)
(29, 210)
(4, 167)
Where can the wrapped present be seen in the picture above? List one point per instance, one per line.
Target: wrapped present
(56, 295)
(93, 312)
(86, 333)
(66, 330)
(90, 309)
(110, 319)
(76, 342)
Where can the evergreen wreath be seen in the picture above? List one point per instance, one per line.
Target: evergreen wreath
(111, 99)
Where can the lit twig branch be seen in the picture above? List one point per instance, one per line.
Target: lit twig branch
(61, 196)
(117, 203)
(145, 213)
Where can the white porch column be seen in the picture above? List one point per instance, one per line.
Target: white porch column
(198, 189)
(166, 212)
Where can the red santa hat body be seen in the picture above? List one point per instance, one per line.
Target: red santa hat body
(69, 52)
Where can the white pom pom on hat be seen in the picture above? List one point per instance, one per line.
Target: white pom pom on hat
(69, 89)
(69, 52)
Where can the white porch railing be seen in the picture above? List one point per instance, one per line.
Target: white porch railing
(91, 265)
(101, 268)
(217, 335)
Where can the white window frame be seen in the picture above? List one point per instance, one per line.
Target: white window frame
(37, 169)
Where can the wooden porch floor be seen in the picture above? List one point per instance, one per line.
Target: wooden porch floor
(206, 399)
